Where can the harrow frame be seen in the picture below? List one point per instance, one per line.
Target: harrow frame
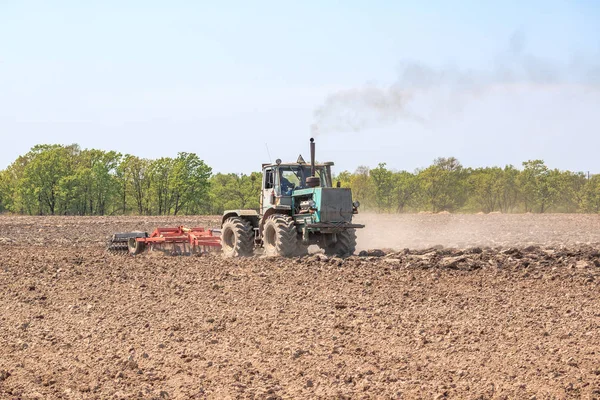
(177, 241)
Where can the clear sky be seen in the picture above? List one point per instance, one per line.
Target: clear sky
(488, 82)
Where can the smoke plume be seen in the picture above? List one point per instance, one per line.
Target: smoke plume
(446, 91)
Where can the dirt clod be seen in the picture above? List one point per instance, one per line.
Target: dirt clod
(4, 374)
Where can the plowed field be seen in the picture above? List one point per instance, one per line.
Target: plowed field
(477, 306)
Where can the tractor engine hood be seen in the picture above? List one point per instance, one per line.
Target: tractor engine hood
(330, 204)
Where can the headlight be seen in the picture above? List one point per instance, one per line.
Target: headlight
(356, 204)
(308, 205)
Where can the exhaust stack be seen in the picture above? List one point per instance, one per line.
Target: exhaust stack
(313, 180)
(312, 157)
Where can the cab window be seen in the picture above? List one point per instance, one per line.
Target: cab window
(269, 181)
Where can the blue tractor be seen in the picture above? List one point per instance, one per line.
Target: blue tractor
(299, 207)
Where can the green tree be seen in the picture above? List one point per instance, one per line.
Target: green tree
(486, 188)
(160, 175)
(509, 191)
(344, 178)
(46, 177)
(16, 197)
(190, 184)
(383, 182)
(443, 185)
(590, 201)
(95, 183)
(362, 186)
(540, 186)
(406, 187)
(135, 182)
(4, 190)
(233, 191)
(571, 195)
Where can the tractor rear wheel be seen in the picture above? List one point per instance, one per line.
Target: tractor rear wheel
(280, 236)
(237, 238)
(344, 246)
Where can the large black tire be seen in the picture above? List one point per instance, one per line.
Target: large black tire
(344, 246)
(237, 238)
(280, 237)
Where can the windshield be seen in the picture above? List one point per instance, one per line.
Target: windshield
(294, 177)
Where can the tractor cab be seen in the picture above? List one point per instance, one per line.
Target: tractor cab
(282, 180)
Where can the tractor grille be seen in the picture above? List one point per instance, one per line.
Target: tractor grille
(336, 205)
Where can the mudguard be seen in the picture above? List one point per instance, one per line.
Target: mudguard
(250, 215)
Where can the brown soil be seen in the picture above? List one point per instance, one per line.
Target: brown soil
(517, 321)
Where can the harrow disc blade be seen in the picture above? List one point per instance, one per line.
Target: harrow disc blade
(181, 249)
(117, 244)
(116, 248)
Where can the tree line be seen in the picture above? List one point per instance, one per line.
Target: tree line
(448, 186)
(66, 180)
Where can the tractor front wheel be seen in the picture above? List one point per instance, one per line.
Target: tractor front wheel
(280, 236)
(237, 238)
(344, 246)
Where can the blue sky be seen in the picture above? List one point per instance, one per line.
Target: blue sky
(228, 79)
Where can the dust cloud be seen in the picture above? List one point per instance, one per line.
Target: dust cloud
(419, 231)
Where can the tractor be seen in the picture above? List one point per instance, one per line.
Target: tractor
(299, 207)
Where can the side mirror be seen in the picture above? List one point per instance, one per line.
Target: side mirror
(338, 184)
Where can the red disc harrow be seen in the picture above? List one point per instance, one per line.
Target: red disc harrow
(177, 241)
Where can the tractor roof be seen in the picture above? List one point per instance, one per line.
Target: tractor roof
(295, 164)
